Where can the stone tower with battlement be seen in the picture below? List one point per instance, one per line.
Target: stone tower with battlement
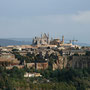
(62, 39)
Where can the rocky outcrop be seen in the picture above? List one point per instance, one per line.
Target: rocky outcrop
(61, 62)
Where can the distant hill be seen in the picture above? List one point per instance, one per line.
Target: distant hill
(78, 43)
(21, 39)
(6, 42)
(82, 44)
(25, 41)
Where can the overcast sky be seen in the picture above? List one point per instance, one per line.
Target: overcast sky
(29, 18)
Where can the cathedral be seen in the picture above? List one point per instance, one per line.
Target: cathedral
(43, 40)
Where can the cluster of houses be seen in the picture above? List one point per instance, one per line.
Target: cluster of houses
(41, 45)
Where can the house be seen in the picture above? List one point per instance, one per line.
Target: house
(32, 75)
(18, 66)
(73, 52)
(42, 65)
(37, 65)
(30, 65)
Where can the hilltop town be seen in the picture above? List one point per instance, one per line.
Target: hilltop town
(44, 45)
(45, 64)
(45, 52)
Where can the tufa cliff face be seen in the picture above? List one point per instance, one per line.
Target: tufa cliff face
(80, 62)
(61, 63)
(75, 62)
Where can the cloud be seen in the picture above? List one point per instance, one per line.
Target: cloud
(82, 17)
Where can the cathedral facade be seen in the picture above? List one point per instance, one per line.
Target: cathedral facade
(43, 40)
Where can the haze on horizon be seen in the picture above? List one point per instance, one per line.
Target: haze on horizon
(29, 18)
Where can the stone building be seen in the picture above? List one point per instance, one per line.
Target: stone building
(57, 41)
(72, 52)
(42, 65)
(38, 65)
(43, 40)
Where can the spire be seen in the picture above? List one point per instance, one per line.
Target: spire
(48, 35)
(41, 35)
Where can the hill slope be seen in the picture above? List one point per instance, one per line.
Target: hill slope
(6, 42)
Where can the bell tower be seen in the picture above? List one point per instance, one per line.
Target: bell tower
(62, 39)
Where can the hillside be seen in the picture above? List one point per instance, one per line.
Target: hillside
(25, 41)
(6, 42)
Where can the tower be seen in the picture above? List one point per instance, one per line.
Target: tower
(62, 39)
(48, 42)
(41, 35)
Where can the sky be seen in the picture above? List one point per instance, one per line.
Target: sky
(29, 18)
